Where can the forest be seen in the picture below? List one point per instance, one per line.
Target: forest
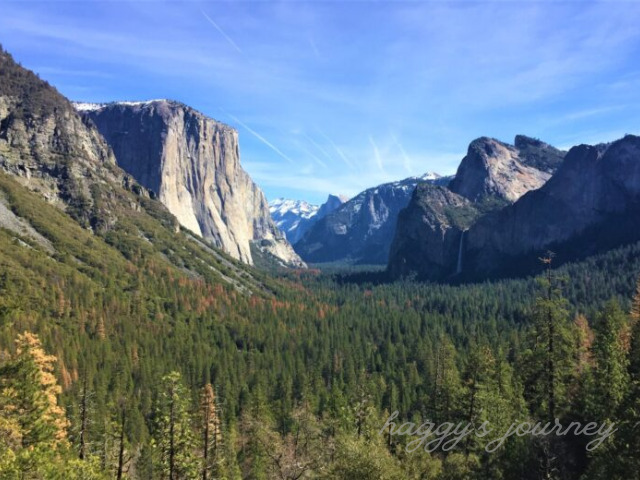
(115, 363)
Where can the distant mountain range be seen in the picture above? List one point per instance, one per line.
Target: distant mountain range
(296, 217)
(360, 231)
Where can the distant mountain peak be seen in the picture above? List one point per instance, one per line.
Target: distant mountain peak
(296, 217)
(429, 176)
(342, 198)
(361, 229)
(522, 141)
(301, 208)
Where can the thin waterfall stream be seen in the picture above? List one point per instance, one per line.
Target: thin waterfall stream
(459, 268)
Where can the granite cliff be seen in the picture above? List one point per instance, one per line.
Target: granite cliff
(493, 169)
(192, 163)
(430, 233)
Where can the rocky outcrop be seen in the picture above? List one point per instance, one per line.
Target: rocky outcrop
(430, 234)
(362, 229)
(591, 203)
(192, 163)
(50, 149)
(492, 169)
(330, 205)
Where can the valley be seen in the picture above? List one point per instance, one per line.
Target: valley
(161, 319)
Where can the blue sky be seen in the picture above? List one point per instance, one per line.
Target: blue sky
(336, 97)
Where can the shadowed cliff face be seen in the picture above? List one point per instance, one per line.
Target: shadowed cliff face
(593, 200)
(430, 240)
(429, 234)
(192, 163)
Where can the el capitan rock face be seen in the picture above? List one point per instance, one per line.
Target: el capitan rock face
(192, 163)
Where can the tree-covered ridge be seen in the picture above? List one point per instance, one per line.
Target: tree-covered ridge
(26, 88)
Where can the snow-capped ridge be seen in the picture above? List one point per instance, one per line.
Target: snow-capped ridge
(282, 206)
(296, 217)
(93, 106)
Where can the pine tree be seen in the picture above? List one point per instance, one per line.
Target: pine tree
(174, 436)
(609, 380)
(121, 440)
(635, 306)
(34, 442)
(447, 386)
(548, 365)
(211, 431)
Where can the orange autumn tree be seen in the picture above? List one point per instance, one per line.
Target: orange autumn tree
(635, 306)
(211, 430)
(33, 427)
(35, 391)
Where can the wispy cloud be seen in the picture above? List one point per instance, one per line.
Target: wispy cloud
(406, 161)
(318, 147)
(591, 112)
(312, 156)
(338, 150)
(314, 48)
(435, 74)
(260, 138)
(376, 154)
(222, 32)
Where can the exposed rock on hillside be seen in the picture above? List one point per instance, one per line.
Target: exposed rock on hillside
(50, 149)
(493, 175)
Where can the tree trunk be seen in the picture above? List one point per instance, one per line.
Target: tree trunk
(121, 448)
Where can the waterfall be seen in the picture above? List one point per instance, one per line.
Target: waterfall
(459, 269)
